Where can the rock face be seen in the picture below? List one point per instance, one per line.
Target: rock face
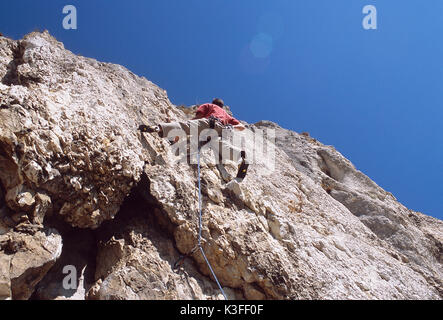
(25, 258)
(81, 187)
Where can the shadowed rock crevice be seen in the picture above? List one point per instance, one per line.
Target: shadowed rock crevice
(9, 176)
(123, 245)
(73, 273)
(2, 195)
(139, 205)
(83, 248)
(11, 77)
(15, 76)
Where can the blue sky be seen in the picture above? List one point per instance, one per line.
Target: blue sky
(309, 65)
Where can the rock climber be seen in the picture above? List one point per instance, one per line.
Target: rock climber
(208, 116)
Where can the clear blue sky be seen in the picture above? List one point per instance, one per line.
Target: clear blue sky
(376, 95)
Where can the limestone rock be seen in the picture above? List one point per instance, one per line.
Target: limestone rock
(25, 259)
(68, 131)
(5, 280)
(376, 208)
(72, 275)
(136, 258)
(311, 226)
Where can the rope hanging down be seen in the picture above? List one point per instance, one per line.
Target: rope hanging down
(199, 246)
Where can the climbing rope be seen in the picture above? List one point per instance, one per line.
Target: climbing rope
(199, 245)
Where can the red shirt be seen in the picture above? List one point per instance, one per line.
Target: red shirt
(209, 109)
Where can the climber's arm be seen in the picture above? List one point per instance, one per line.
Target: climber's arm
(198, 115)
(237, 125)
(201, 111)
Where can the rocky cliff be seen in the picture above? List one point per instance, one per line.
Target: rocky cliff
(81, 188)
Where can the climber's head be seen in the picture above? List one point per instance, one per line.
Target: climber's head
(218, 102)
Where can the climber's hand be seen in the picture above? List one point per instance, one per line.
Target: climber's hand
(143, 128)
(239, 127)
